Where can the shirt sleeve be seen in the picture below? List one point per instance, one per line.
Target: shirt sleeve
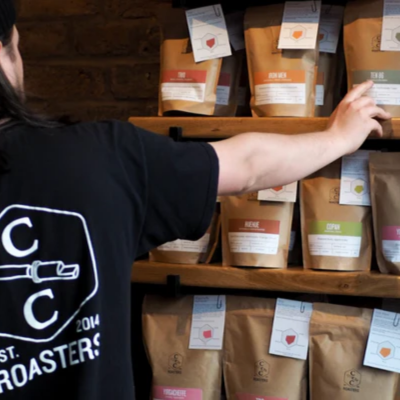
(181, 189)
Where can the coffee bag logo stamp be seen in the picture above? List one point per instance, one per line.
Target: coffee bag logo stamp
(175, 364)
(352, 381)
(261, 372)
(376, 43)
(41, 266)
(334, 195)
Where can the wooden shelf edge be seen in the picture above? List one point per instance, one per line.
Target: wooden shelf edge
(220, 128)
(368, 284)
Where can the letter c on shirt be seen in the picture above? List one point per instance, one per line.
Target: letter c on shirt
(9, 245)
(28, 312)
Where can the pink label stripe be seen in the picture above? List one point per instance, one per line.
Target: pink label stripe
(242, 396)
(174, 393)
(391, 233)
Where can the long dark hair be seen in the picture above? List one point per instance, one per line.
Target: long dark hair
(12, 103)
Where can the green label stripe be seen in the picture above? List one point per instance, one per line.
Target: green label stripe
(337, 228)
(378, 76)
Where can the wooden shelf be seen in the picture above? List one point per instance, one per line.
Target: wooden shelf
(369, 284)
(220, 128)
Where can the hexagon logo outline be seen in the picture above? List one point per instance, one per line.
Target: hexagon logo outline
(290, 338)
(92, 259)
(206, 333)
(396, 35)
(209, 41)
(358, 187)
(298, 32)
(386, 350)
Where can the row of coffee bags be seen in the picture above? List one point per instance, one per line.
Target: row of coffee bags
(334, 370)
(333, 236)
(283, 82)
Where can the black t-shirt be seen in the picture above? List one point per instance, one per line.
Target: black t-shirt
(77, 205)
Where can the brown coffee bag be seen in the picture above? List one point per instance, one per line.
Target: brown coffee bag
(364, 59)
(185, 86)
(250, 372)
(166, 329)
(385, 195)
(273, 71)
(228, 85)
(338, 339)
(255, 233)
(190, 252)
(334, 236)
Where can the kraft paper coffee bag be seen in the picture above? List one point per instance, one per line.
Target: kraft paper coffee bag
(385, 199)
(228, 85)
(338, 339)
(250, 372)
(190, 252)
(192, 374)
(185, 86)
(365, 60)
(334, 236)
(282, 82)
(255, 233)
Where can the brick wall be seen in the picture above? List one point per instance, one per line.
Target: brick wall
(90, 59)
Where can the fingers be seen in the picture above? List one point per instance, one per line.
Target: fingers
(376, 128)
(363, 102)
(358, 91)
(377, 112)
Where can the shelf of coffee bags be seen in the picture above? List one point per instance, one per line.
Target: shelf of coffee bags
(219, 128)
(368, 284)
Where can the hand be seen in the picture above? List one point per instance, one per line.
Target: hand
(354, 118)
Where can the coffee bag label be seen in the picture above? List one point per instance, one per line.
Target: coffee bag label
(208, 33)
(234, 23)
(187, 85)
(354, 180)
(383, 345)
(241, 396)
(174, 393)
(287, 193)
(208, 323)
(391, 243)
(335, 238)
(386, 90)
(224, 88)
(290, 332)
(187, 246)
(280, 87)
(300, 25)
(320, 90)
(329, 27)
(391, 26)
(254, 236)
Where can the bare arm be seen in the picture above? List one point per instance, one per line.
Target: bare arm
(256, 161)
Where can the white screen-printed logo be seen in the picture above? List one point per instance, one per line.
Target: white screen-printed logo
(48, 269)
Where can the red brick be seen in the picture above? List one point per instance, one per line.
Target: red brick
(116, 38)
(56, 8)
(65, 82)
(44, 39)
(137, 81)
(133, 9)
